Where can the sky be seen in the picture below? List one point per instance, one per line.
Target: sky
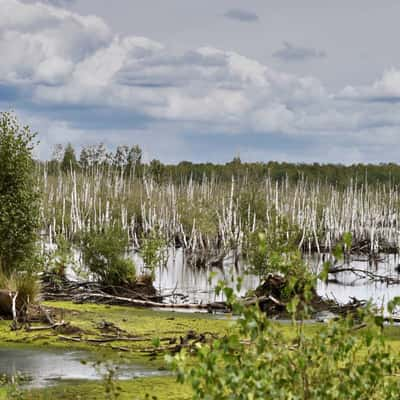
(208, 80)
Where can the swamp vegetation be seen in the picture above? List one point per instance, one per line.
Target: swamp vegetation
(81, 242)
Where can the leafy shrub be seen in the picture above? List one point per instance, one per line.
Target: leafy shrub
(342, 360)
(277, 238)
(153, 250)
(59, 259)
(276, 252)
(104, 255)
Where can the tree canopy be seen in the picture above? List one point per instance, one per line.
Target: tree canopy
(19, 196)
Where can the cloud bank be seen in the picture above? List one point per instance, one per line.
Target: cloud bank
(73, 79)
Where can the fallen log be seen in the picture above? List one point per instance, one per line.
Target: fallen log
(261, 299)
(120, 348)
(365, 274)
(47, 315)
(116, 339)
(147, 303)
(43, 328)
(70, 338)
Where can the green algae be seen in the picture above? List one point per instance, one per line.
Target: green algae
(162, 388)
(144, 324)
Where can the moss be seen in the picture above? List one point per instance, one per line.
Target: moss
(163, 388)
(145, 324)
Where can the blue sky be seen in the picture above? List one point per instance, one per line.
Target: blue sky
(207, 80)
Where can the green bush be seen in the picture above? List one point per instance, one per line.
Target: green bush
(154, 252)
(275, 251)
(19, 196)
(104, 255)
(344, 359)
(59, 259)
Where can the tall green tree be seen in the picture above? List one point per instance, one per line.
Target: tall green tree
(69, 161)
(19, 196)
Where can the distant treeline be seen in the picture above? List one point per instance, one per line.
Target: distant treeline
(129, 161)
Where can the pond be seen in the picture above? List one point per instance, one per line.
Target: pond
(179, 281)
(345, 285)
(45, 367)
(180, 278)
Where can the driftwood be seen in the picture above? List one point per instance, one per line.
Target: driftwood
(101, 297)
(121, 348)
(362, 273)
(56, 288)
(43, 328)
(70, 338)
(142, 296)
(81, 292)
(47, 315)
(263, 299)
(269, 296)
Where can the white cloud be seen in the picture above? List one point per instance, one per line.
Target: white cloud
(70, 59)
(67, 63)
(43, 42)
(388, 85)
(387, 88)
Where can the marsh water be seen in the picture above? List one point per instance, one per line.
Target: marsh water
(180, 281)
(346, 285)
(43, 367)
(194, 283)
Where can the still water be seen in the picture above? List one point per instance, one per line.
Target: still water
(44, 367)
(194, 283)
(180, 281)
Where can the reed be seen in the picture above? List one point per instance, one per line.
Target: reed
(216, 216)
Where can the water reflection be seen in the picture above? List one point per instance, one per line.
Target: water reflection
(44, 367)
(345, 285)
(180, 278)
(195, 283)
